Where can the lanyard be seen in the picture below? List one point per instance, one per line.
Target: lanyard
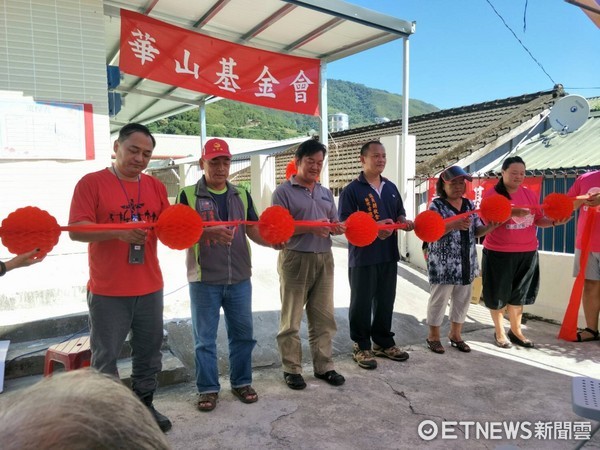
(135, 216)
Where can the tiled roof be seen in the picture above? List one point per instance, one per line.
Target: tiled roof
(451, 134)
(441, 137)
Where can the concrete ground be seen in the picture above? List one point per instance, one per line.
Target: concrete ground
(381, 409)
(486, 390)
(384, 408)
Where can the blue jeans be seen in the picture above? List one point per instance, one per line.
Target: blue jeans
(206, 303)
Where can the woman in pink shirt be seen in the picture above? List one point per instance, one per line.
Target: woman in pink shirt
(510, 266)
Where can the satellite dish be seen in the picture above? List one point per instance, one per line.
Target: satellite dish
(569, 113)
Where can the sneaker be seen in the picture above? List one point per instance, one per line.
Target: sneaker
(364, 358)
(393, 353)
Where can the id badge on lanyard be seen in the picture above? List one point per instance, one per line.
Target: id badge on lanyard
(136, 251)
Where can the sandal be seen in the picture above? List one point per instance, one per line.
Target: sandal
(435, 346)
(207, 402)
(595, 335)
(460, 345)
(246, 394)
(294, 380)
(332, 377)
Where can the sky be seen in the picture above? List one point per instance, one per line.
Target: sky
(462, 53)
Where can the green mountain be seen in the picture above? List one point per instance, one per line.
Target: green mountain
(364, 106)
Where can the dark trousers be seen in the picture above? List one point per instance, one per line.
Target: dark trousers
(111, 319)
(511, 278)
(372, 293)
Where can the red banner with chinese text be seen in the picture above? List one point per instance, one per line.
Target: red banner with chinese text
(168, 54)
(478, 186)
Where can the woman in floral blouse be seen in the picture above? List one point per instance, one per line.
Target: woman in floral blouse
(452, 262)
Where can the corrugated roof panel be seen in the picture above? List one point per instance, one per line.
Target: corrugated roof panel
(555, 151)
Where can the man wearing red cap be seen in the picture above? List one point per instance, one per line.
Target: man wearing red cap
(219, 270)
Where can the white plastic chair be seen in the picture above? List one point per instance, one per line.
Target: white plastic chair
(586, 402)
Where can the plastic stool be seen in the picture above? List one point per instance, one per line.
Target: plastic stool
(586, 402)
(73, 354)
(586, 397)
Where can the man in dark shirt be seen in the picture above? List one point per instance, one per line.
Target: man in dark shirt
(373, 269)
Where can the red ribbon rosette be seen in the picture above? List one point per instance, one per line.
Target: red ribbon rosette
(179, 227)
(361, 229)
(276, 225)
(429, 226)
(496, 208)
(29, 228)
(558, 206)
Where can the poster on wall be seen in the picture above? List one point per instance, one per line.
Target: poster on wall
(33, 130)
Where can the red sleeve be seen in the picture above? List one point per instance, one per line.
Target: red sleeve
(84, 201)
(161, 191)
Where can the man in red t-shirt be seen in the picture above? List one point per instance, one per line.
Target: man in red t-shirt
(125, 289)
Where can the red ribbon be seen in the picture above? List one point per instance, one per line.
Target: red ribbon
(107, 226)
(392, 226)
(568, 329)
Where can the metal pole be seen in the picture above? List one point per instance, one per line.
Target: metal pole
(324, 131)
(408, 159)
(405, 94)
(202, 119)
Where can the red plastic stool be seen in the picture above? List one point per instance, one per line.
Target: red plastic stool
(73, 354)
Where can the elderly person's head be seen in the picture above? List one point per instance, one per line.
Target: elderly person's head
(216, 162)
(77, 410)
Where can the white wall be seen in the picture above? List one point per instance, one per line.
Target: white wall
(177, 146)
(400, 169)
(62, 276)
(556, 281)
(52, 50)
(262, 173)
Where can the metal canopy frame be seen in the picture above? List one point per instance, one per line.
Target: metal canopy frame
(327, 30)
